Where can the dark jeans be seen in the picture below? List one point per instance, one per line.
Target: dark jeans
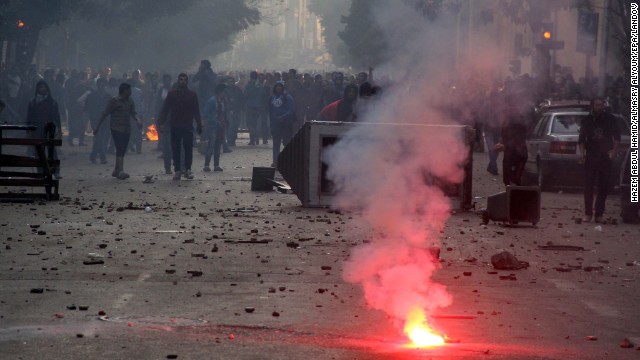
(282, 131)
(135, 142)
(121, 141)
(164, 143)
(254, 119)
(597, 173)
(513, 167)
(77, 125)
(100, 141)
(234, 123)
(215, 140)
(491, 138)
(182, 137)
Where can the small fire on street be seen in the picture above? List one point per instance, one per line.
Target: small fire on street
(152, 133)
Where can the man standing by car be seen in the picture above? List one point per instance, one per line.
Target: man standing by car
(598, 142)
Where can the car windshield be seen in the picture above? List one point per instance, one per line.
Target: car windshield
(566, 124)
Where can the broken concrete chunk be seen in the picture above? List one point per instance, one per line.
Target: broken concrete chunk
(507, 261)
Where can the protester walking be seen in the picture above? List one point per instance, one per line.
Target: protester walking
(598, 142)
(121, 109)
(182, 106)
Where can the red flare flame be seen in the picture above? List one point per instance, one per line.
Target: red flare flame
(419, 331)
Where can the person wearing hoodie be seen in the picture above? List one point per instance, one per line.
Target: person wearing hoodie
(44, 114)
(342, 110)
(281, 115)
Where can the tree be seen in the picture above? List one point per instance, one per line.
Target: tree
(223, 17)
(331, 13)
(365, 42)
(34, 16)
(363, 38)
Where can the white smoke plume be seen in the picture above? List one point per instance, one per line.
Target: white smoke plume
(387, 173)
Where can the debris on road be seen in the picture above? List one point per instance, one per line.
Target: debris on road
(507, 261)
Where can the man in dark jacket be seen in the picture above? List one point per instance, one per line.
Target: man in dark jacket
(182, 104)
(598, 141)
(254, 96)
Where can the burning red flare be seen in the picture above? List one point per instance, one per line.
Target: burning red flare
(419, 332)
(152, 133)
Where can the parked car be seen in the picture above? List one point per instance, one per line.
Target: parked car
(628, 210)
(553, 151)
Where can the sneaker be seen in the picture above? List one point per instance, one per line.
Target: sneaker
(265, 142)
(227, 150)
(206, 169)
(168, 171)
(599, 219)
(115, 173)
(123, 175)
(251, 143)
(217, 169)
(177, 175)
(188, 174)
(92, 159)
(586, 218)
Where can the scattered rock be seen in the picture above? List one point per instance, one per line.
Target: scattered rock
(325, 267)
(275, 314)
(626, 344)
(37, 291)
(507, 261)
(93, 262)
(249, 309)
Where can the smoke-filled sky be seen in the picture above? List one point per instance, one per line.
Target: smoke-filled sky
(385, 172)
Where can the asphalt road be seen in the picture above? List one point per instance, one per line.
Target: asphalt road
(215, 271)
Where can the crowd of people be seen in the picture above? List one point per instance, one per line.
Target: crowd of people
(216, 104)
(269, 105)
